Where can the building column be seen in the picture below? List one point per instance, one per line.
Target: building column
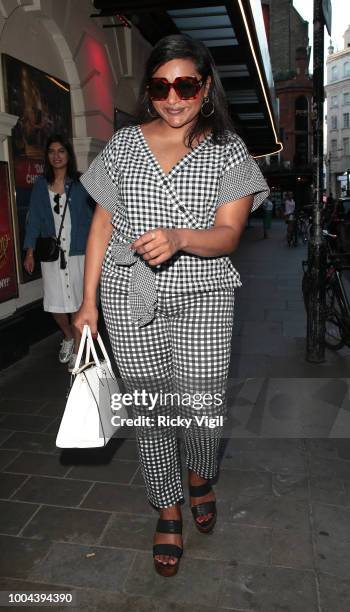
(7, 123)
(86, 149)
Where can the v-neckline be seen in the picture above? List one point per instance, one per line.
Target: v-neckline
(184, 159)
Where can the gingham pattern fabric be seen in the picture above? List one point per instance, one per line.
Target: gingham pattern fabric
(127, 180)
(142, 289)
(185, 348)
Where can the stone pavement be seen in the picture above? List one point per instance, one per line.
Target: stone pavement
(78, 521)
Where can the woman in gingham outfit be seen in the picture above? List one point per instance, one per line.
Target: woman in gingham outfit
(174, 193)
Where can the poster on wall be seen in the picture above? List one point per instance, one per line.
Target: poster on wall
(8, 275)
(42, 104)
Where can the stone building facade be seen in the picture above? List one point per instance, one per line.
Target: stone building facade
(338, 118)
(287, 33)
(103, 68)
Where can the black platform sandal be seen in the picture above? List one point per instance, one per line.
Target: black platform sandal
(208, 507)
(167, 526)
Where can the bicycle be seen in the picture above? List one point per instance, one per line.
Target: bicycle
(337, 307)
(303, 227)
(299, 227)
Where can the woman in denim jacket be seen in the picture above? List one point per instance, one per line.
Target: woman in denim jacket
(63, 288)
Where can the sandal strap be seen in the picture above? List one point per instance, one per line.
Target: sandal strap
(205, 508)
(169, 526)
(200, 490)
(167, 549)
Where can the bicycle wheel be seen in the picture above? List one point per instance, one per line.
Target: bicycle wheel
(333, 338)
(304, 231)
(334, 320)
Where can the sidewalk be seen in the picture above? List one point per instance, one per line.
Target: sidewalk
(78, 521)
(270, 324)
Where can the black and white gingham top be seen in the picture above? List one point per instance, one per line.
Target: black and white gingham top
(126, 179)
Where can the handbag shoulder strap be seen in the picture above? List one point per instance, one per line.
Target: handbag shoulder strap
(64, 213)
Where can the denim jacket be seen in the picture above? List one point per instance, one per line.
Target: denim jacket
(40, 221)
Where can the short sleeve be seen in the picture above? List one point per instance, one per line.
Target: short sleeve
(241, 176)
(101, 179)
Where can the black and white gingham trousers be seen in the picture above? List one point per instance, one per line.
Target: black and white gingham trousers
(184, 350)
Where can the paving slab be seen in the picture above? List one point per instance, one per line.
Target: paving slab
(331, 531)
(117, 471)
(198, 582)
(7, 457)
(37, 463)
(20, 406)
(231, 543)
(286, 459)
(15, 515)
(268, 511)
(9, 483)
(53, 491)
(66, 525)
(4, 434)
(121, 498)
(231, 484)
(31, 441)
(85, 566)
(292, 548)
(334, 593)
(18, 556)
(268, 589)
(25, 422)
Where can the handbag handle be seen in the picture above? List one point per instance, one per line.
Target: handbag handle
(103, 349)
(86, 339)
(80, 350)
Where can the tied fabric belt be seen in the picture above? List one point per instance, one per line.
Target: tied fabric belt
(142, 288)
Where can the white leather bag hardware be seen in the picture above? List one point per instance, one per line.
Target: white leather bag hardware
(87, 419)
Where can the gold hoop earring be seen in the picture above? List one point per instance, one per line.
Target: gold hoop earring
(209, 103)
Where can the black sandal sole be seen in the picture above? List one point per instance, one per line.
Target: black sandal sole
(166, 569)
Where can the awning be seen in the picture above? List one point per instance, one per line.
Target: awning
(234, 31)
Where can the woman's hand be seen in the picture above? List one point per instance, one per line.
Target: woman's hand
(29, 261)
(158, 245)
(86, 315)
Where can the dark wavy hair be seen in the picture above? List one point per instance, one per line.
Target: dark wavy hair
(72, 171)
(180, 46)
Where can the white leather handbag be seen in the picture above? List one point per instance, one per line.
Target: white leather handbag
(87, 419)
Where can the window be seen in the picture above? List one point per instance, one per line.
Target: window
(347, 69)
(334, 101)
(334, 123)
(346, 147)
(346, 98)
(334, 73)
(346, 120)
(334, 146)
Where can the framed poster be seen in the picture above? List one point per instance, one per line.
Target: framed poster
(8, 272)
(42, 104)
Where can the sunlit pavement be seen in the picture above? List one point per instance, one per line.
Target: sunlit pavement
(79, 521)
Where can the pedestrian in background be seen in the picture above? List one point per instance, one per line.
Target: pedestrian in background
(289, 215)
(62, 288)
(267, 217)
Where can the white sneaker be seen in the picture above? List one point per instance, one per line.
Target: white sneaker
(71, 362)
(66, 350)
